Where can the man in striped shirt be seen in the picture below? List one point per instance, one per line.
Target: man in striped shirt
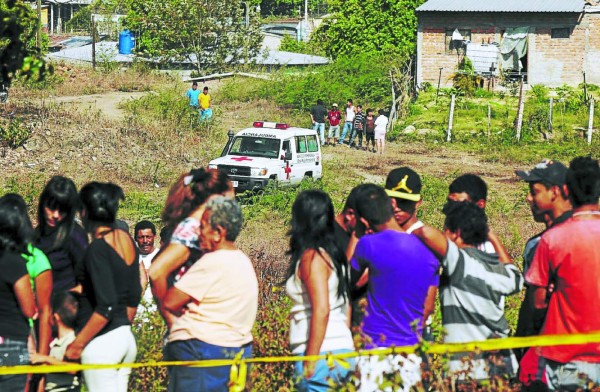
(473, 287)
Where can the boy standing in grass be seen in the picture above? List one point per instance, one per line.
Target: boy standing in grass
(334, 116)
(193, 94)
(350, 113)
(64, 306)
(358, 127)
(370, 129)
(380, 129)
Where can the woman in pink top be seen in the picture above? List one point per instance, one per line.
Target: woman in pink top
(214, 303)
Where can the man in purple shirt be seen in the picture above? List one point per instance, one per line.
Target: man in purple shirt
(403, 276)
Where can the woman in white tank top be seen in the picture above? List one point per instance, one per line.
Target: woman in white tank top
(318, 287)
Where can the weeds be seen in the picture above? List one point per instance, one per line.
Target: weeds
(14, 133)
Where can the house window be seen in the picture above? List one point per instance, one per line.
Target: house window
(454, 46)
(564, 32)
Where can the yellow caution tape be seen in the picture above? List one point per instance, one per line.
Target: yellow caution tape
(240, 366)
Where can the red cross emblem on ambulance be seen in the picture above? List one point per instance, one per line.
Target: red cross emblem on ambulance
(241, 159)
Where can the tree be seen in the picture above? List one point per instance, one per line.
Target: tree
(370, 26)
(18, 24)
(212, 34)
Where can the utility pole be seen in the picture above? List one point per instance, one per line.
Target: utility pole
(306, 12)
(93, 42)
(38, 35)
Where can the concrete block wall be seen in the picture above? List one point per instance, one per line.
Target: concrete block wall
(551, 61)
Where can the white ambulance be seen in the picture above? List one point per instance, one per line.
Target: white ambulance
(270, 152)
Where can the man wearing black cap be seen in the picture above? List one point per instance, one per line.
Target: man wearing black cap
(549, 203)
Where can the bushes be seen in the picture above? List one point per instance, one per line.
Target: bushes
(14, 133)
(465, 80)
(358, 78)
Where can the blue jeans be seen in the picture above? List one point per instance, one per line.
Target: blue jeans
(13, 353)
(319, 382)
(321, 128)
(189, 378)
(347, 127)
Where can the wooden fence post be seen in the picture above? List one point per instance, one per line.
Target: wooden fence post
(489, 120)
(520, 111)
(550, 114)
(93, 42)
(590, 122)
(449, 133)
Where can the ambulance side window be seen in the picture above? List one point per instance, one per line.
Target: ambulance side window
(312, 143)
(301, 144)
(286, 146)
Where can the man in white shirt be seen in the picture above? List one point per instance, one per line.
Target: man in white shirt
(350, 113)
(144, 236)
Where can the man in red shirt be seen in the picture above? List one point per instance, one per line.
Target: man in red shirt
(334, 116)
(568, 258)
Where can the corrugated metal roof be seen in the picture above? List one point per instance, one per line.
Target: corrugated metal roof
(502, 6)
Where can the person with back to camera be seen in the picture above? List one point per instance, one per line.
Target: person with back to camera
(182, 213)
(215, 303)
(395, 313)
(17, 302)
(40, 277)
(111, 291)
(318, 286)
(381, 124)
(473, 290)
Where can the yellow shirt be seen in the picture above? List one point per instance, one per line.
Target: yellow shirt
(204, 101)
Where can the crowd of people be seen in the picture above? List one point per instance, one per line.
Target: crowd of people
(356, 121)
(72, 286)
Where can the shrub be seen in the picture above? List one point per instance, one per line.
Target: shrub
(465, 80)
(357, 77)
(14, 134)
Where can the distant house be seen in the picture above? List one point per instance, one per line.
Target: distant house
(550, 42)
(55, 13)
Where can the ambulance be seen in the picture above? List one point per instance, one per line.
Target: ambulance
(270, 152)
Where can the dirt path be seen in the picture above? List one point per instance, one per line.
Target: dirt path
(107, 103)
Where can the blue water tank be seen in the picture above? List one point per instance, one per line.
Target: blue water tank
(126, 42)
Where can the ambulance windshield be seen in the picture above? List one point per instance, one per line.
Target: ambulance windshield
(251, 146)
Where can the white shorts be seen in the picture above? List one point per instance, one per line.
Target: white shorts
(334, 130)
(374, 368)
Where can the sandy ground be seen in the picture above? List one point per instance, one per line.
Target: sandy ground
(107, 103)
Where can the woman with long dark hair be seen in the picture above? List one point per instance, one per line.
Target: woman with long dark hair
(17, 303)
(111, 291)
(58, 235)
(318, 285)
(40, 277)
(183, 211)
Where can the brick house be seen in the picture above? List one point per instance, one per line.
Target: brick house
(553, 41)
